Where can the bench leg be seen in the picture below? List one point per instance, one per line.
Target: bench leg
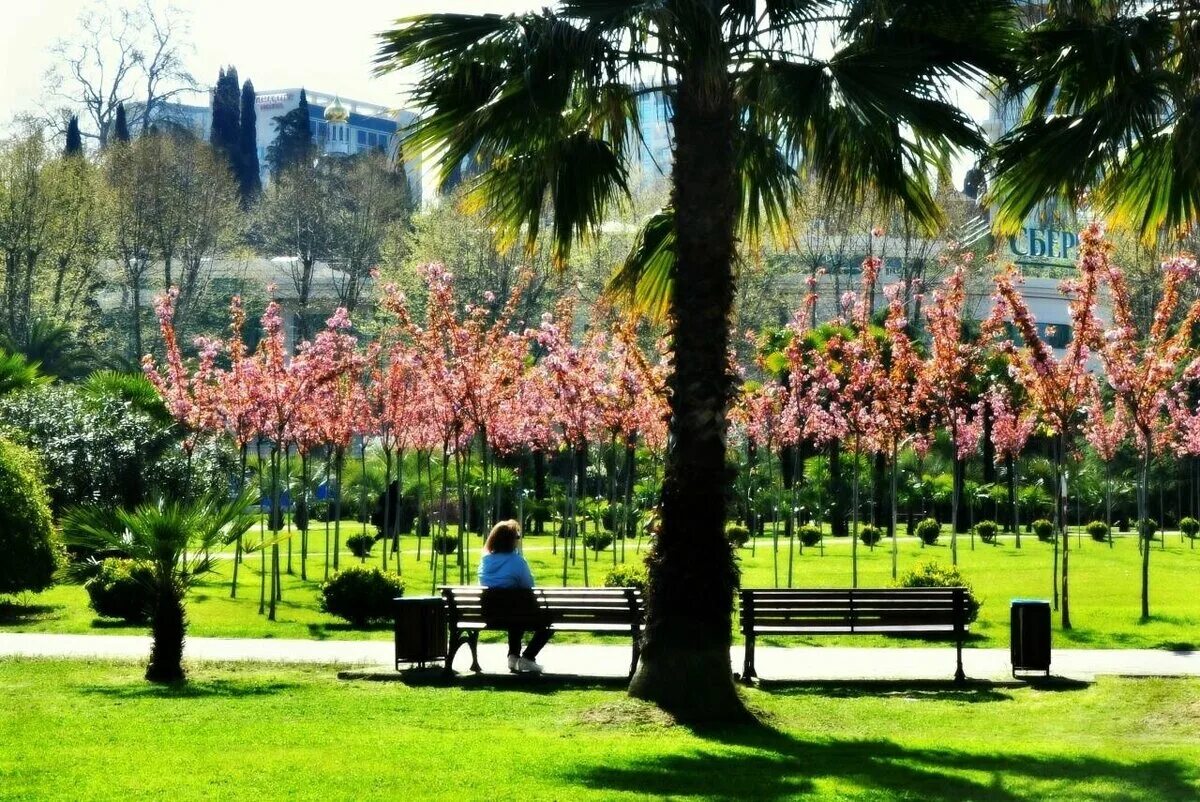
(748, 672)
(637, 653)
(457, 639)
(959, 674)
(473, 642)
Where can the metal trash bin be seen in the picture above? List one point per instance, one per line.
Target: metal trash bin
(421, 630)
(1029, 635)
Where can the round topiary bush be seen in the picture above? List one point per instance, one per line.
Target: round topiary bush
(360, 544)
(738, 535)
(361, 595)
(29, 552)
(1148, 528)
(627, 576)
(1044, 530)
(1189, 526)
(987, 531)
(933, 575)
(445, 544)
(870, 534)
(810, 534)
(1098, 530)
(929, 530)
(122, 589)
(597, 541)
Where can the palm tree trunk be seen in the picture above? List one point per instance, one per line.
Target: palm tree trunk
(168, 627)
(685, 666)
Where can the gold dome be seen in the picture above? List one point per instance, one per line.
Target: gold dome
(336, 112)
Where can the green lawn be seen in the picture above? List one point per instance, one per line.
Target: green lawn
(94, 730)
(1105, 590)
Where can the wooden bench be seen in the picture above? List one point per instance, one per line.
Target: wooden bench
(600, 611)
(913, 611)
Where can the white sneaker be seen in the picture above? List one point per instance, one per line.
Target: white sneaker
(514, 663)
(527, 666)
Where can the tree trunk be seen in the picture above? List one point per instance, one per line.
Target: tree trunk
(685, 666)
(1143, 513)
(837, 492)
(168, 627)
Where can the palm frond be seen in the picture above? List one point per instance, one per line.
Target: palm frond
(131, 388)
(643, 282)
(17, 373)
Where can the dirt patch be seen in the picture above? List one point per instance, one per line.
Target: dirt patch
(627, 713)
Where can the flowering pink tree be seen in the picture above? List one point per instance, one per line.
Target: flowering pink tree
(1058, 388)
(1012, 425)
(1142, 369)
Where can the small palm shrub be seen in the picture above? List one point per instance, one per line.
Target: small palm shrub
(122, 589)
(987, 531)
(629, 575)
(1189, 526)
(1098, 531)
(1044, 529)
(445, 544)
(360, 544)
(1148, 528)
(934, 575)
(869, 534)
(361, 595)
(929, 530)
(738, 535)
(597, 541)
(29, 551)
(810, 534)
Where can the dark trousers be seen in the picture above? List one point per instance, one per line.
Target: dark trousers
(539, 639)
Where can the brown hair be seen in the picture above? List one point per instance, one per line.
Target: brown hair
(503, 538)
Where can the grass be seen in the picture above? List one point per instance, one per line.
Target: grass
(94, 730)
(1105, 587)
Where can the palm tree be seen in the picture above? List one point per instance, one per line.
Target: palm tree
(1110, 91)
(176, 539)
(54, 346)
(852, 93)
(17, 373)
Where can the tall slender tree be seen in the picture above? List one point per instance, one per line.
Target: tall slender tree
(249, 180)
(293, 145)
(546, 102)
(225, 135)
(120, 125)
(74, 146)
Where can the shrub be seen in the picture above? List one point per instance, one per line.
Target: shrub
(627, 576)
(1148, 528)
(29, 551)
(870, 534)
(810, 534)
(445, 544)
(597, 541)
(122, 589)
(987, 531)
(360, 544)
(1099, 530)
(361, 595)
(929, 530)
(933, 575)
(1044, 530)
(1189, 526)
(738, 535)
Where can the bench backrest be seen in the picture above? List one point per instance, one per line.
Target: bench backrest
(867, 608)
(579, 606)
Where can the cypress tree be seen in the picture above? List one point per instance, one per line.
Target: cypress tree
(293, 139)
(250, 183)
(74, 138)
(225, 135)
(121, 126)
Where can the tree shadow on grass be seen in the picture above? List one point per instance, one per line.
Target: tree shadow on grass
(758, 762)
(973, 692)
(195, 689)
(15, 613)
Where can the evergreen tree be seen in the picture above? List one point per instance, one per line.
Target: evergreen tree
(226, 133)
(74, 138)
(249, 182)
(293, 139)
(121, 126)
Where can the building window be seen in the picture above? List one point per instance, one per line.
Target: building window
(362, 137)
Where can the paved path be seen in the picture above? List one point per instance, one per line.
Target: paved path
(800, 663)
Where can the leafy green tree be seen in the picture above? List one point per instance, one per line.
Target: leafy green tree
(293, 144)
(1111, 96)
(176, 540)
(26, 532)
(856, 91)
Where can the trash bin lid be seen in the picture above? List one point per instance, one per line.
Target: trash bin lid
(1025, 602)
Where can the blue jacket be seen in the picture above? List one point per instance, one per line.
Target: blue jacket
(504, 571)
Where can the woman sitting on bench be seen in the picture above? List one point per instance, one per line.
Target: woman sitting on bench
(507, 577)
